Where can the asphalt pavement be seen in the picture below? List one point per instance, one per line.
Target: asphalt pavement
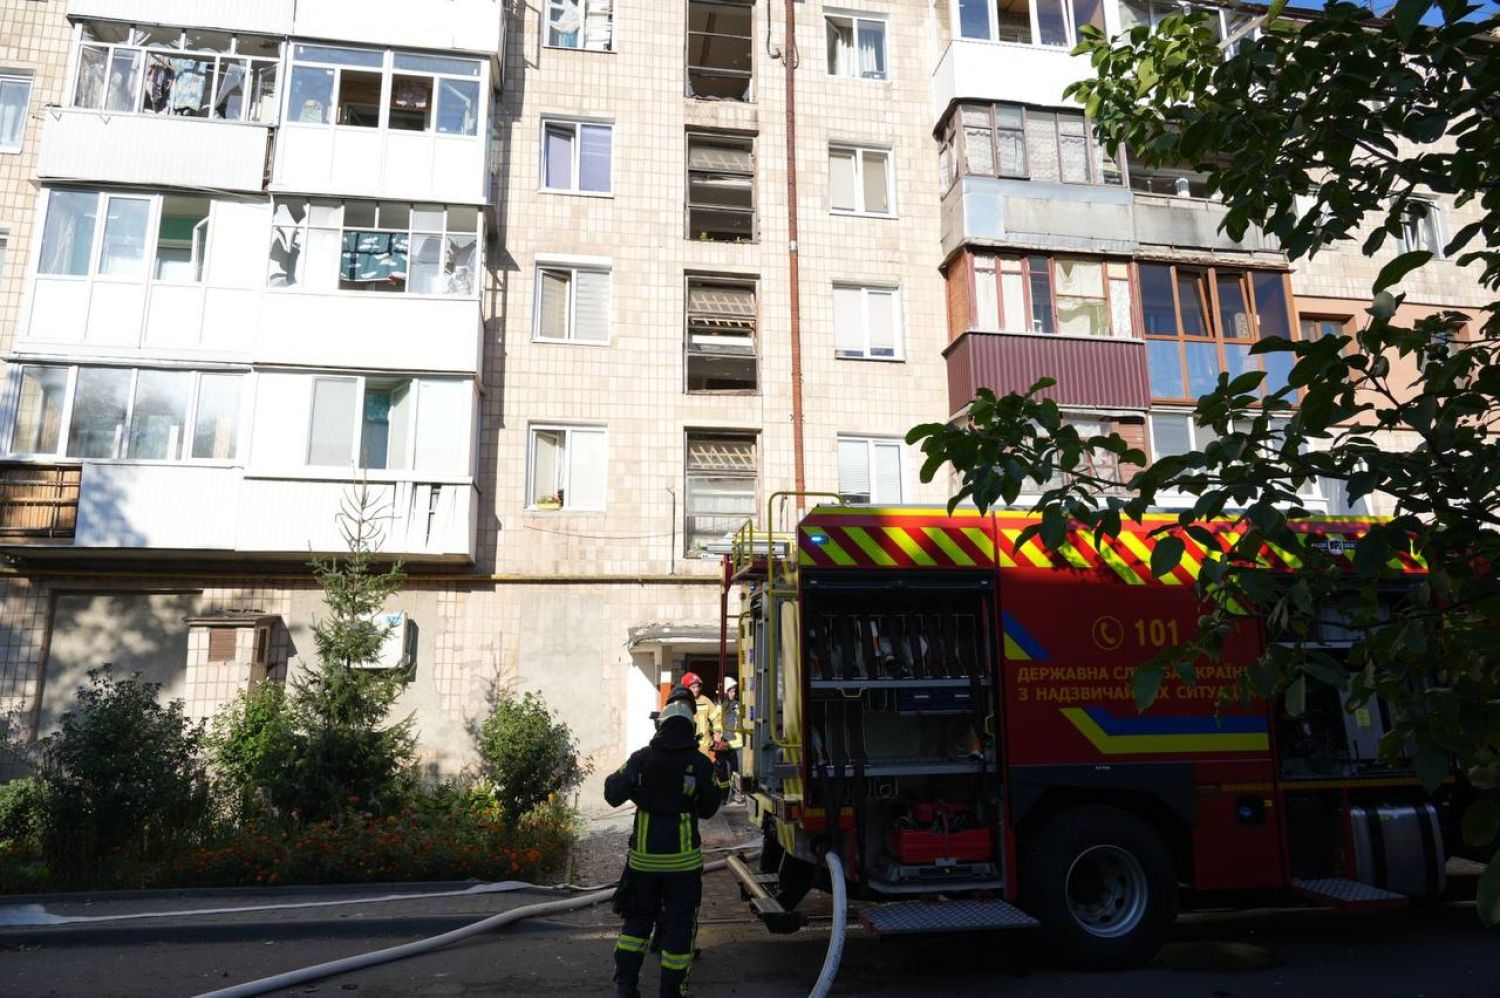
(1428, 952)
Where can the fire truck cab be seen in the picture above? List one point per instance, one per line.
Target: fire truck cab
(952, 713)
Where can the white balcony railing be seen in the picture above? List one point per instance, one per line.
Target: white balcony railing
(155, 150)
(465, 25)
(192, 321)
(188, 509)
(268, 17)
(1004, 71)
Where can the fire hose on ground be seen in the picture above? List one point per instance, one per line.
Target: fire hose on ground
(586, 900)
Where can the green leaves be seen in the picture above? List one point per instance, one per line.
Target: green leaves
(1481, 823)
(1487, 899)
(1433, 767)
(1167, 554)
(1398, 268)
(1146, 685)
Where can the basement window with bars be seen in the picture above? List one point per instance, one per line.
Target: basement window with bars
(870, 470)
(719, 340)
(587, 25)
(721, 188)
(720, 479)
(720, 49)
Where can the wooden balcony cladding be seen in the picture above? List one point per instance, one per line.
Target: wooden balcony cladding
(1103, 373)
(38, 502)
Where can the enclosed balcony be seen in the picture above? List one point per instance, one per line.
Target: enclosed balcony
(385, 124)
(201, 511)
(1100, 373)
(130, 275)
(461, 25)
(1004, 71)
(272, 17)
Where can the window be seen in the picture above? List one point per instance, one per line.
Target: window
(568, 468)
(68, 234)
(870, 470)
(720, 49)
(859, 180)
(15, 99)
(580, 24)
(577, 157)
(1179, 433)
(1007, 140)
(388, 423)
(719, 341)
(572, 305)
(1038, 294)
(106, 413)
(721, 188)
(191, 73)
(1028, 22)
(856, 46)
(4, 247)
(424, 93)
(1174, 180)
(1422, 228)
(1224, 22)
(181, 240)
(720, 477)
(42, 401)
(866, 322)
(1201, 321)
(1314, 327)
(389, 247)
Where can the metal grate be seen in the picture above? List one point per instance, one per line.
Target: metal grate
(1339, 892)
(917, 917)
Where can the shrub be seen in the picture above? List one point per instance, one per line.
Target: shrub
(528, 754)
(251, 743)
(124, 782)
(23, 811)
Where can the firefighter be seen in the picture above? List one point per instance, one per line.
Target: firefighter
(703, 716)
(727, 749)
(672, 786)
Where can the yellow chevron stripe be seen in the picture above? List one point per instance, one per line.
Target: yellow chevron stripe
(907, 543)
(981, 540)
(831, 547)
(956, 554)
(868, 545)
(1140, 550)
(1111, 558)
(1073, 556)
(1035, 553)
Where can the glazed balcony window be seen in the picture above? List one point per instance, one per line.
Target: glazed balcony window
(1054, 23)
(1074, 296)
(385, 247)
(1008, 140)
(144, 69)
(399, 91)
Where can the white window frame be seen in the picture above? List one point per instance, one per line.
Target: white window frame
(1069, 26)
(29, 82)
(12, 413)
(387, 71)
(138, 97)
(583, 13)
(361, 388)
(577, 155)
(307, 284)
(1314, 496)
(1416, 230)
(865, 291)
(568, 430)
(860, 151)
(871, 444)
(854, 18)
(573, 268)
(96, 244)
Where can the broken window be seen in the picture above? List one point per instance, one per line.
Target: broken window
(157, 70)
(720, 476)
(721, 48)
(721, 188)
(720, 335)
(385, 247)
(580, 24)
(181, 239)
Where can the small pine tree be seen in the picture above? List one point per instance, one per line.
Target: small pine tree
(345, 752)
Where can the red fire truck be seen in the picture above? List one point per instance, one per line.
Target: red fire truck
(952, 713)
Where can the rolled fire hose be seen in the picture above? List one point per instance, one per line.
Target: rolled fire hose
(840, 919)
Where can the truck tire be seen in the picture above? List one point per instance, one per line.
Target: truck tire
(1103, 886)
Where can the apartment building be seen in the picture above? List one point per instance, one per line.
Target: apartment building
(527, 275)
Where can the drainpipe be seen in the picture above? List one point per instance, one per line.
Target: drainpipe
(789, 59)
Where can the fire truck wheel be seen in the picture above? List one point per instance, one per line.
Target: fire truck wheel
(1103, 885)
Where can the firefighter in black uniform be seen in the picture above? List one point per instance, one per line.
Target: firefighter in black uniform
(672, 785)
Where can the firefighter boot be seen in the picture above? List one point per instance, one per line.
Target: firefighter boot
(630, 953)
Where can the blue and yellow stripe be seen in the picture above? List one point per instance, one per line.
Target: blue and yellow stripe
(1141, 735)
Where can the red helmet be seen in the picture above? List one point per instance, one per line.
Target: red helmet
(691, 679)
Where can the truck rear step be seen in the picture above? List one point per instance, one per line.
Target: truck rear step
(1337, 892)
(918, 917)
